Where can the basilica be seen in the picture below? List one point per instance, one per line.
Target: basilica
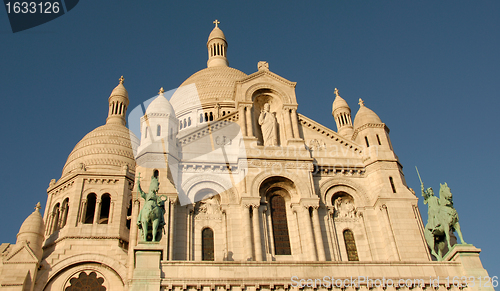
(251, 195)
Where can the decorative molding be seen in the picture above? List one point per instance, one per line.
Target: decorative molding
(254, 88)
(325, 131)
(284, 164)
(371, 125)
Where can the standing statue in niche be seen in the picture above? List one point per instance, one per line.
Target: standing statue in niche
(442, 219)
(267, 122)
(150, 219)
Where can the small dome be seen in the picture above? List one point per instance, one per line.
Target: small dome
(365, 115)
(339, 102)
(106, 148)
(32, 227)
(160, 106)
(119, 91)
(216, 33)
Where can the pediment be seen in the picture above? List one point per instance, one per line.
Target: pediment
(319, 137)
(269, 77)
(22, 254)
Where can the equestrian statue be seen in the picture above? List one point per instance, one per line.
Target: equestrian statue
(150, 219)
(441, 221)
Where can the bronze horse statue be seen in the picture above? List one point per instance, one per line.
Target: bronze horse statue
(442, 220)
(152, 212)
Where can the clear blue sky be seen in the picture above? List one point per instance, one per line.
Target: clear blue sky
(429, 69)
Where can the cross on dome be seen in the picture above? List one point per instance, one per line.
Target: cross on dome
(216, 22)
(38, 206)
(161, 91)
(121, 80)
(336, 92)
(361, 102)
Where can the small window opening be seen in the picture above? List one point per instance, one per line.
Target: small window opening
(378, 139)
(158, 130)
(211, 116)
(89, 213)
(367, 143)
(189, 121)
(201, 117)
(146, 132)
(350, 246)
(392, 185)
(206, 117)
(105, 205)
(207, 244)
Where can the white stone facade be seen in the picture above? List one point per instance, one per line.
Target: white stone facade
(319, 203)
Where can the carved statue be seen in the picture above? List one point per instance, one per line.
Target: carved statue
(267, 122)
(442, 219)
(152, 212)
(344, 208)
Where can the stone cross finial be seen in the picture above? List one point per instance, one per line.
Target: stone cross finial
(216, 22)
(336, 92)
(38, 206)
(361, 102)
(121, 79)
(161, 91)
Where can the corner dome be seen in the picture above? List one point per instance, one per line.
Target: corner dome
(160, 106)
(365, 115)
(105, 149)
(32, 225)
(213, 84)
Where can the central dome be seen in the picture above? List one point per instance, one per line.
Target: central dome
(213, 85)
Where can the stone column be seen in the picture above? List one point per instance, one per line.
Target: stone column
(247, 236)
(242, 119)
(295, 124)
(97, 211)
(83, 213)
(256, 232)
(133, 237)
(288, 126)
(249, 120)
(111, 210)
(189, 227)
(171, 231)
(320, 247)
(309, 234)
(270, 229)
(390, 232)
(333, 234)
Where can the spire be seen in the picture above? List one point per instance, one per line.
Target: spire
(217, 47)
(342, 115)
(118, 102)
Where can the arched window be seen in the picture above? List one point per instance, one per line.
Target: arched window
(280, 226)
(65, 210)
(189, 121)
(350, 245)
(90, 210)
(207, 244)
(211, 116)
(158, 130)
(206, 117)
(201, 117)
(129, 213)
(55, 218)
(105, 206)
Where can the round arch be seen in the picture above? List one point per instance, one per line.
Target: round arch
(330, 187)
(197, 183)
(250, 93)
(81, 262)
(301, 189)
